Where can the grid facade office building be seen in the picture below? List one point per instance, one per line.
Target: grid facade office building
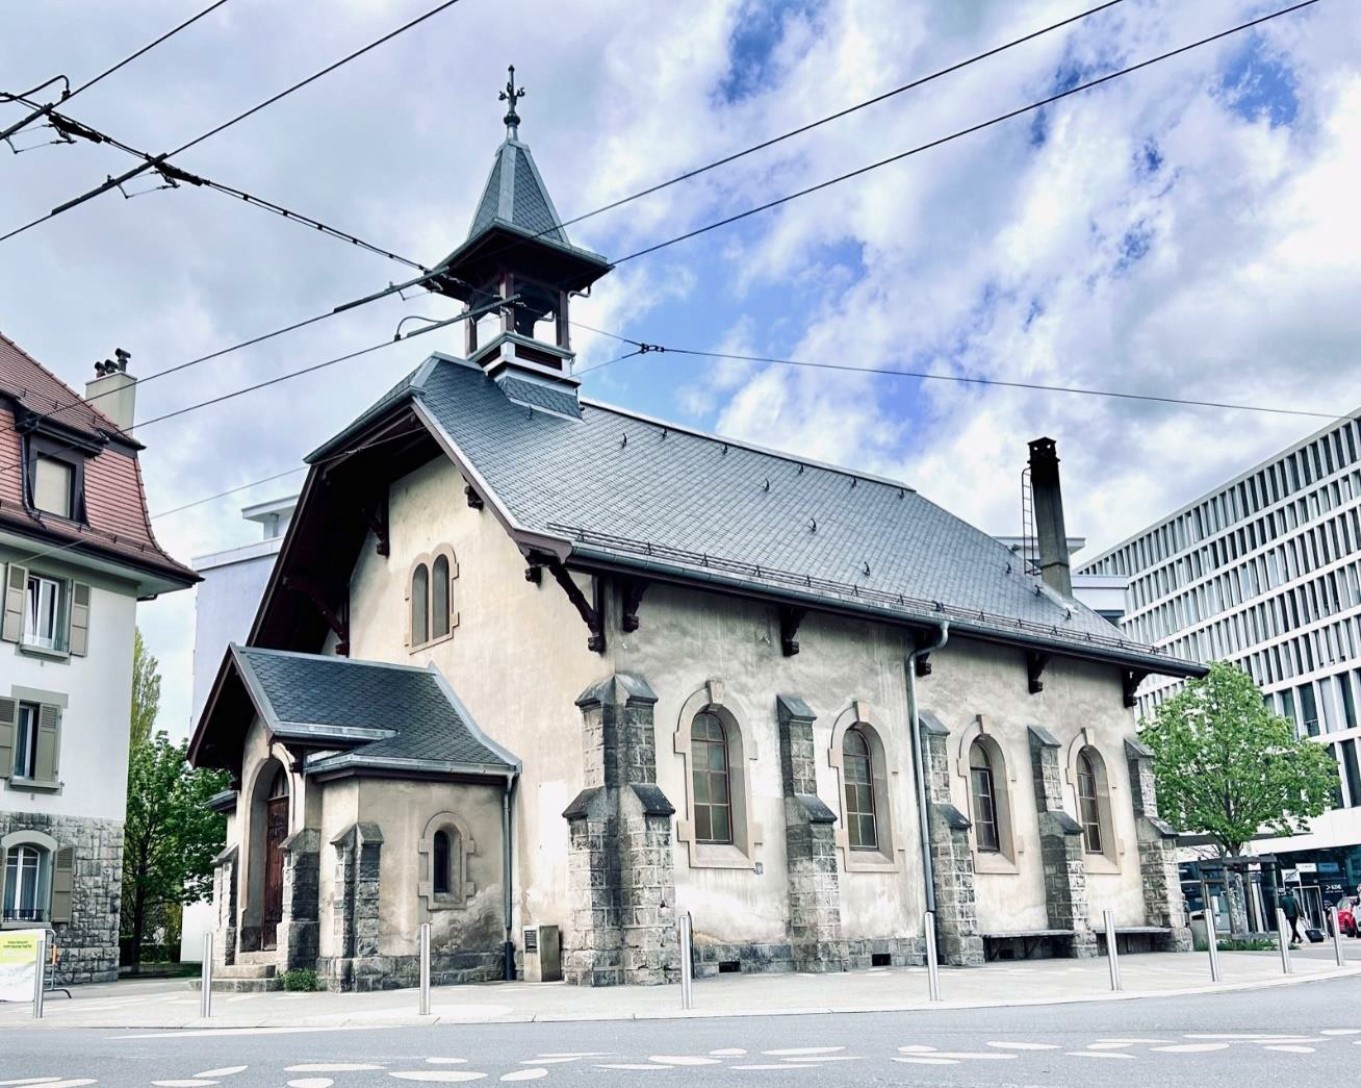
(1265, 572)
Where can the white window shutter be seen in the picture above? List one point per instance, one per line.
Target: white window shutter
(16, 586)
(9, 723)
(63, 883)
(79, 641)
(49, 737)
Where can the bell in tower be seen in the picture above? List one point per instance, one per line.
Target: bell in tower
(516, 250)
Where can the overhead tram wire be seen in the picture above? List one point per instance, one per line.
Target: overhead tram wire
(643, 348)
(1009, 115)
(113, 183)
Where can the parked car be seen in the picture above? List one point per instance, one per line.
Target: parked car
(1346, 920)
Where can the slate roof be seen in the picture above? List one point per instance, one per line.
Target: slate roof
(380, 713)
(629, 490)
(516, 196)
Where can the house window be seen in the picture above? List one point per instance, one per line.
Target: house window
(26, 742)
(45, 614)
(54, 486)
(712, 796)
(440, 854)
(28, 876)
(420, 605)
(1089, 802)
(439, 597)
(984, 791)
(862, 832)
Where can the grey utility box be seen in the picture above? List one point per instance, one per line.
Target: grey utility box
(543, 954)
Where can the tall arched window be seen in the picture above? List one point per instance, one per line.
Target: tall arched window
(1089, 801)
(862, 831)
(713, 799)
(28, 876)
(420, 605)
(441, 864)
(983, 788)
(439, 597)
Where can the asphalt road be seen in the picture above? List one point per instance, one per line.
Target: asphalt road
(1308, 1034)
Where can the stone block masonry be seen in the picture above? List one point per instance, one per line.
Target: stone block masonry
(88, 943)
(1163, 905)
(952, 872)
(1065, 871)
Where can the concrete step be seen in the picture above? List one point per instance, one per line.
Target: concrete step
(245, 970)
(241, 985)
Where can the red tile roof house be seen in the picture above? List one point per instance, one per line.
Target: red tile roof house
(77, 553)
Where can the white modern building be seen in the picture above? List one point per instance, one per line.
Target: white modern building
(1265, 572)
(1104, 594)
(77, 554)
(225, 603)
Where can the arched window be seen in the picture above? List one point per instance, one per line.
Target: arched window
(439, 597)
(420, 605)
(1089, 801)
(983, 791)
(709, 761)
(862, 831)
(440, 857)
(28, 889)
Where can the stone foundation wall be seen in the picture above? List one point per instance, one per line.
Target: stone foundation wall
(365, 974)
(88, 944)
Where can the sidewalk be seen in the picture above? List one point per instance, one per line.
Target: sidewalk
(148, 1004)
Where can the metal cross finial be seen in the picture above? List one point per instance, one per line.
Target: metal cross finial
(512, 95)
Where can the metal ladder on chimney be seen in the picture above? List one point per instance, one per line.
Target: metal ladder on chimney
(1030, 545)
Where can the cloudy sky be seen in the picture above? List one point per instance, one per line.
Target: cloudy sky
(1190, 230)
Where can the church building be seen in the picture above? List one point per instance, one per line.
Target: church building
(527, 660)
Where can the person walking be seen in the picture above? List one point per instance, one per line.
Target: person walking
(1290, 907)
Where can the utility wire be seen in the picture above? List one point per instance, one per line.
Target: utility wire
(966, 131)
(113, 183)
(923, 375)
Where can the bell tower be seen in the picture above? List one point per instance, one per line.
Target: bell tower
(516, 249)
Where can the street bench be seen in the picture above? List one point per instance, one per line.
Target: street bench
(1135, 938)
(1002, 945)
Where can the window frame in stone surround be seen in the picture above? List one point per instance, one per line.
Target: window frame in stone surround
(1112, 845)
(47, 848)
(1002, 861)
(713, 698)
(428, 561)
(463, 847)
(884, 764)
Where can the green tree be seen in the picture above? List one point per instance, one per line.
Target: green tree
(146, 690)
(1229, 768)
(170, 835)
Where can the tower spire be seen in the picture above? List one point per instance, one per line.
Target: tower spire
(511, 95)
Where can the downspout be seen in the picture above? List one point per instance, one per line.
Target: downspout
(919, 764)
(507, 880)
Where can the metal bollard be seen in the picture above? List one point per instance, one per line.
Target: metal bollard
(40, 979)
(205, 997)
(1337, 938)
(1211, 933)
(1284, 941)
(687, 941)
(1112, 953)
(932, 967)
(425, 969)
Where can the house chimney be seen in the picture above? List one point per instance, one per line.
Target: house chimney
(115, 389)
(1050, 534)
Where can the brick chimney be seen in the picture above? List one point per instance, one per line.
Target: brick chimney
(1051, 537)
(115, 389)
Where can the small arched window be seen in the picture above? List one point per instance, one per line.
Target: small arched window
(1089, 801)
(862, 832)
(983, 790)
(439, 597)
(420, 605)
(28, 888)
(441, 863)
(713, 799)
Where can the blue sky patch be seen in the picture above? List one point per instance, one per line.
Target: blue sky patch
(760, 29)
(1257, 83)
(1134, 246)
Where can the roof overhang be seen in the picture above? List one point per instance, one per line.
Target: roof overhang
(149, 580)
(504, 245)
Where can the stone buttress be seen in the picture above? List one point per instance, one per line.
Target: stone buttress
(952, 871)
(621, 873)
(1065, 870)
(1163, 904)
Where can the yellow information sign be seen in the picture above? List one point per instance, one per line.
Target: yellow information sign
(18, 963)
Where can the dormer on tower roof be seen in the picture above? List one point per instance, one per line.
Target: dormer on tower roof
(517, 249)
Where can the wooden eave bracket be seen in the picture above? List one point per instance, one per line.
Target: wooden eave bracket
(790, 619)
(633, 590)
(592, 612)
(338, 623)
(1130, 679)
(1035, 663)
(474, 499)
(922, 661)
(377, 519)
